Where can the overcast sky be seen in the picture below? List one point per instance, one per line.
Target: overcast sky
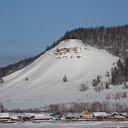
(28, 26)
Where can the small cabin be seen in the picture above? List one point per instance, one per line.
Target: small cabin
(4, 117)
(56, 115)
(117, 116)
(100, 115)
(87, 115)
(73, 116)
(24, 118)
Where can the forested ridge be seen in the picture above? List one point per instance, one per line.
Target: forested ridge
(113, 39)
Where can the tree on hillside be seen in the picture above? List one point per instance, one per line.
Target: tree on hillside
(96, 81)
(1, 80)
(65, 79)
(1, 107)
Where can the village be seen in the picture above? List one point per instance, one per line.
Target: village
(58, 116)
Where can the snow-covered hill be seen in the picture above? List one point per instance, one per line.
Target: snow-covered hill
(41, 83)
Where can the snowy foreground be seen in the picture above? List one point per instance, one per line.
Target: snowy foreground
(82, 124)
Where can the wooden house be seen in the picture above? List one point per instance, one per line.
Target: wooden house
(87, 115)
(100, 115)
(4, 117)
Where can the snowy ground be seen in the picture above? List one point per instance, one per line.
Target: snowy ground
(81, 124)
(44, 84)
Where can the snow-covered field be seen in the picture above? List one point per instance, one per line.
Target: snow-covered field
(82, 124)
(41, 83)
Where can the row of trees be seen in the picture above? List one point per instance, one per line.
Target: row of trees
(92, 107)
(74, 107)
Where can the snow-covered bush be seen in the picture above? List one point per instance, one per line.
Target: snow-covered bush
(26, 79)
(83, 87)
(124, 85)
(107, 85)
(96, 81)
(99, 88)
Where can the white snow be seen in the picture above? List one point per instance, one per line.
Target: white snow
(80, 63)
(77, 124)
(4, 115)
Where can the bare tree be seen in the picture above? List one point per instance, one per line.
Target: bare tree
(96, 107)
(1, 107)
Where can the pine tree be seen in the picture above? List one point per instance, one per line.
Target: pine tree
(1, 107)
(1, 80)
(115, 76)
(126, 68)
(65, 79)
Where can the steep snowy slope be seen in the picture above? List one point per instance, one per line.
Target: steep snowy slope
(41, 83)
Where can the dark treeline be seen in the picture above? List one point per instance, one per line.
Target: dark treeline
(96, 106)
(113, 39)
(74, 107)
